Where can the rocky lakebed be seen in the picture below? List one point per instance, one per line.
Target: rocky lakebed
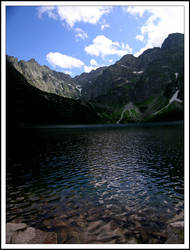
(99, 225)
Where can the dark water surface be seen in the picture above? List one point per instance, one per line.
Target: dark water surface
(96, 185)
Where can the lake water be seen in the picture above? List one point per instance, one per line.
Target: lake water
(96, 184)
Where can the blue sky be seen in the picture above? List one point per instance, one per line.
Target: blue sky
(76, 39)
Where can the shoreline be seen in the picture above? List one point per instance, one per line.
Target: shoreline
(139, 124)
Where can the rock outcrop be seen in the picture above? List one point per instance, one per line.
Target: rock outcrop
(45, 79)
(29, 105)
(20, 233)
(175, 230)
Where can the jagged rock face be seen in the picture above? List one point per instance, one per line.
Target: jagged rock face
(46, 79)
(173, 41)
(147, 57)
(29, 105)
(157, 70)
(165, 73)
(147, 81)
(111, 77)
(87, 78)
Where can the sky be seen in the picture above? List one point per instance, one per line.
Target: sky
(79, 38)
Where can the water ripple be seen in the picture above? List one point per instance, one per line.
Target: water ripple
(132, 167)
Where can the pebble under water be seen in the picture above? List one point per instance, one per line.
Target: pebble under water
(96, 185)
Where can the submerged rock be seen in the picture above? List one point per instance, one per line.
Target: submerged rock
(11, 228)
(132, 241)
(62, 236)
(175, 232)
(178, 217)
(95, 225)
(22, 234)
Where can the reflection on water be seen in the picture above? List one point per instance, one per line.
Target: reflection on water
(82, 175)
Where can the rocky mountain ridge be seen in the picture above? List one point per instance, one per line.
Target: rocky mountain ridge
(153, 66)
(26, 104)
(131, 90)
(147, 82)
(45, 79)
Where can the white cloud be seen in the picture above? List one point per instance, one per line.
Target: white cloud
(110, 60)
(103, 26)
(68, 72)
(73, 14)
(87, 69)
(140, 37)
(103, 46)
(50, 10)
(163, 21)
(93, 62)
(81, 33)
(135, 10)
(63, 61)
(93, 65)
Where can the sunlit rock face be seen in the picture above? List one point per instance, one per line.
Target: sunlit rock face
(46, 79)
(30, 105)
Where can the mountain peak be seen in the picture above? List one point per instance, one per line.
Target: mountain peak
(173, 41)
(12, 59)
(44, 78)
(32, 60)
(175, 35)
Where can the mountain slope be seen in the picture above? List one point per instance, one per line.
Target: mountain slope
(151, 72)
(46, 79)
(27, 104)
(147, 81)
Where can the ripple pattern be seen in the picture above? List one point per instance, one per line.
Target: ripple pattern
(56, 172)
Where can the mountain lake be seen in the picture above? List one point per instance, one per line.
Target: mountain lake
(96, 183)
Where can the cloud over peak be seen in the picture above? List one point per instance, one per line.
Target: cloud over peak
(57, 59)
(87, 69)
(93, 62)
(162, 21)
(103, 46)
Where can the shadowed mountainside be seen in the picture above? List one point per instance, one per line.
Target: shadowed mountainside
(27, 104)
(45, 79)
(145, 83)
